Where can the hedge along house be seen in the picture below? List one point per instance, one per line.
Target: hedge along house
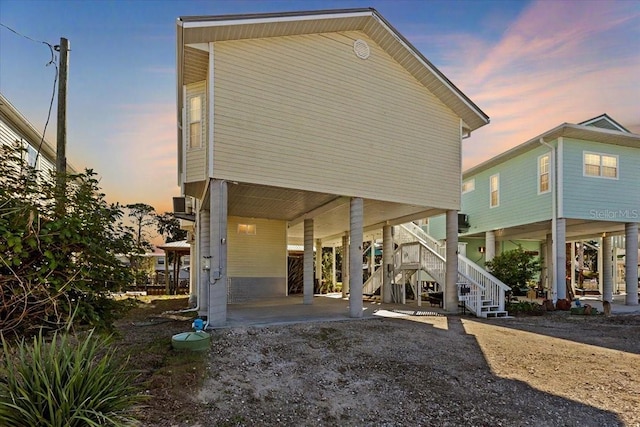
(301, 128)
(569, 184)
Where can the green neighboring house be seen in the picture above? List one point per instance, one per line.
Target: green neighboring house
(573, 183)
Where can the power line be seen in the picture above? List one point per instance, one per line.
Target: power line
(55, 81)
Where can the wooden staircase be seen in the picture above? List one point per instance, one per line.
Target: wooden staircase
(478, 291)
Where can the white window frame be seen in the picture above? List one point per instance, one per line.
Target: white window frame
(471, 185)
(601, 156)
(190, 146)
(548, 173)
(33, 159)
(497, 190)
(247, 229)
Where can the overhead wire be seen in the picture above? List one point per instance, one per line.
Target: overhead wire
(52, 49)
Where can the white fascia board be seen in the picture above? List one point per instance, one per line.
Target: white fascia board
(271, 20)
(200, 46)
(428, 67)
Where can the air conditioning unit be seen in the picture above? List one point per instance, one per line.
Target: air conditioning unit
(183, 205)
(463, 223)
(180, 205)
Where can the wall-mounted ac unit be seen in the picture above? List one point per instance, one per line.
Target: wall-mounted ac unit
(463, 223)
(183, 205)
(183, 208)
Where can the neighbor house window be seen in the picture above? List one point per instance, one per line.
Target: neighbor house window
(543, 174)
(32, 155)
(468, 186)
(247, 229)
(195, 122)
(602, 165)
(494, 190)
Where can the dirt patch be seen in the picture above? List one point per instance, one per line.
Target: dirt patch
(553, 370)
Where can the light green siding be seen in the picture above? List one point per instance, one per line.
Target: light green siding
(519, 203)
(437, 227)
(595, 198)
(474, 245)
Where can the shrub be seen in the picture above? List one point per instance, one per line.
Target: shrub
(65, 382)
(515, 268)
(525, 307)
(53, 263)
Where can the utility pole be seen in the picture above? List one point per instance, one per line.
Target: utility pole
(61, 147)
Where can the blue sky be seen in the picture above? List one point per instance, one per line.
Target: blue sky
(530, 65)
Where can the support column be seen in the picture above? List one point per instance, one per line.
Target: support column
(204, 236)
(319, 262)
(334, 275)
(561, 260)
(345, 265)
(387, 263)
(490, 245)
(355, 257)
(607, 269)
(307, 277)
(548, 266)
(600, 264)
(631, 263)
(451, 273)
(372, 257)
(217, 310)
(573, 265)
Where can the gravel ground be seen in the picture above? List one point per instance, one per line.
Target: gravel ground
(554, 370)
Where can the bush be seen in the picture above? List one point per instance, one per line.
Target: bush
(514, 268)
(525, 307)
(65, 382)
(56, 258)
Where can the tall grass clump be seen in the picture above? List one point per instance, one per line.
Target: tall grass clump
(65, 382)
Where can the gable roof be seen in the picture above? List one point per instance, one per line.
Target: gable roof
(582, 131)
(194, 30)
(605, 122)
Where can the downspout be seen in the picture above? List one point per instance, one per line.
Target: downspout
(554, 219)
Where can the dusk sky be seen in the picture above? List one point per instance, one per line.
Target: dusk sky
(529, 65)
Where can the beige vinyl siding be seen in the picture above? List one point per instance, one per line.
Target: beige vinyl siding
(196, 158)
(305, 112)
(261, 255)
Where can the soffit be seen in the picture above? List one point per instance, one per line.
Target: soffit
(260, 201)
(575, 229)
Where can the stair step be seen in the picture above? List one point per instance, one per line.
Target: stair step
(489, 307)
(497, 313)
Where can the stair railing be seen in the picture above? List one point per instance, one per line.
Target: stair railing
(493, 289)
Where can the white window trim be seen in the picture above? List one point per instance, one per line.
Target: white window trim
(247, 229)
(472, 183)
(584, 165)
(548, 173)
(497, 191)
(189, 122)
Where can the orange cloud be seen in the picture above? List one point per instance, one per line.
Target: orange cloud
(144, 169)
(558, 62)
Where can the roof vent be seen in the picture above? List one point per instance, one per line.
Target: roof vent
(361, 48)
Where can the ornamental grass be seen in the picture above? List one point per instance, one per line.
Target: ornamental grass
(65, 381)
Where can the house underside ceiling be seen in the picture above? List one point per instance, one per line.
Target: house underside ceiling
(576, 229)
(330, 212)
